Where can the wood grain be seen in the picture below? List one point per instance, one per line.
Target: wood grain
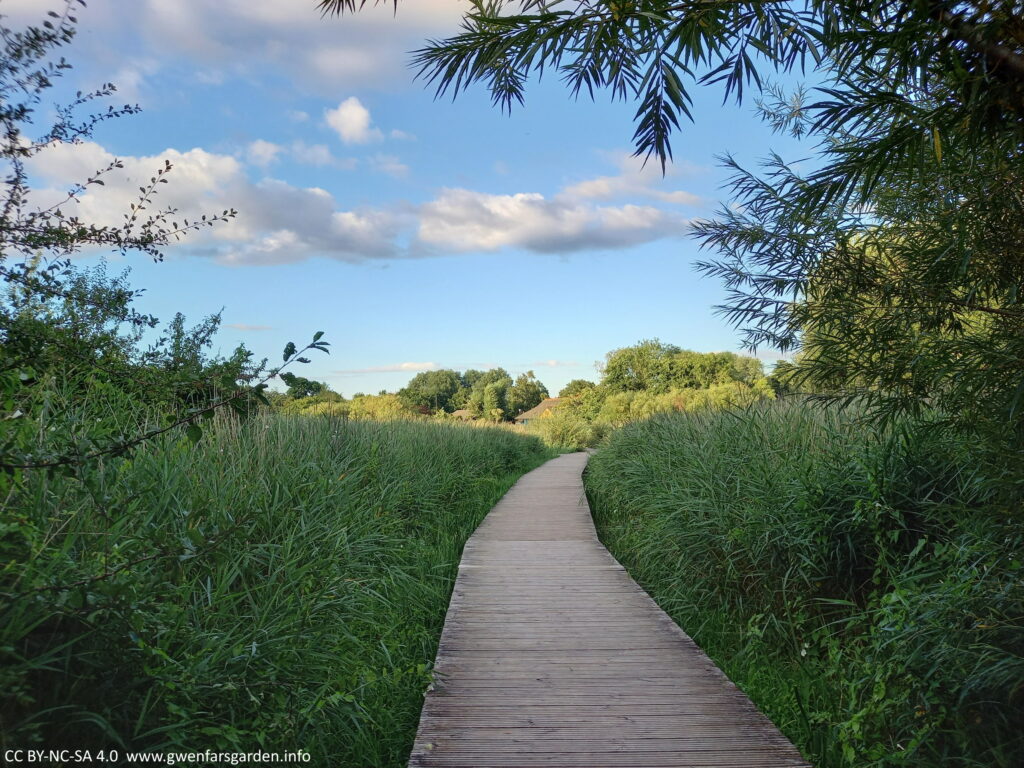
(552, 655)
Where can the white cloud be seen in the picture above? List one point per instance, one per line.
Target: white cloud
(352, 122)
(369, 49)
(298, 116)
(398, 135)
(396, 368)
(463, 220)
(277, 222)
(262, 153)
(634, 179)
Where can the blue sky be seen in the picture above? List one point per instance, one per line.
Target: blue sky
(415, 232)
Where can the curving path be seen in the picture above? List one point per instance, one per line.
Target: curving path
(552, 655)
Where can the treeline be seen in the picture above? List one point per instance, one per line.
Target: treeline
(491, 395)
(636, 382)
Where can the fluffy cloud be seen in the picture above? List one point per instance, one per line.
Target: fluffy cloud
(463, 220)
(262, 153)
(634, 179)
(277, 222)
(367, 49)
(351, 121)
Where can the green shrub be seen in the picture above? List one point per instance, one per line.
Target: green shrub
(865, 589)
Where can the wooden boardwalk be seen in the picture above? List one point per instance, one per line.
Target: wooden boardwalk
(553, 656)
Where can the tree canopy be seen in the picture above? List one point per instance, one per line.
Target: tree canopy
(655, 367)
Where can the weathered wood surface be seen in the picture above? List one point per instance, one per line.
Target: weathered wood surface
(552, 655)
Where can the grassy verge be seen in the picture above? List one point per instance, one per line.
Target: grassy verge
(867, 591)
(282, 584)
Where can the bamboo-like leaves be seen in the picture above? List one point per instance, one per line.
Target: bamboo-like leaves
(650, 52)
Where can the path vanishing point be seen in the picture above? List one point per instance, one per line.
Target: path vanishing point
(552, 655)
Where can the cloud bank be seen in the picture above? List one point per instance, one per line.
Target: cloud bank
(279, 222)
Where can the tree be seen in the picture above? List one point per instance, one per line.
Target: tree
(701, 370)
(525, 393)
(902, 289)
(477, 403)
(299, 386)
(646, 365)
(493, 401)
(432, 389)
(576, 387)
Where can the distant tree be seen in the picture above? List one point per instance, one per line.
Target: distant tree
(576, 387)
(475, 402)
(432, 389)
(646, 366)
(705, 369)
(494, 401)
(525, 393)
(299, 386)
(471, 376)
(382, 407)
(325, 402)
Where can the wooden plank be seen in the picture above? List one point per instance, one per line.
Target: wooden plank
(551, 655)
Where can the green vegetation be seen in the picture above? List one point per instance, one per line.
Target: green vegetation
(180, 568)
(647, 378)
(866, 588)
(275, 581)
(281, 583)
(858, 571)
(637, 382)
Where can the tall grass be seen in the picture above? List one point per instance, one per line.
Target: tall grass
(282, 584)
(866, 590)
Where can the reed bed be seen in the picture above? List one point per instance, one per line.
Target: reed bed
(280, 585)
(865, 588)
